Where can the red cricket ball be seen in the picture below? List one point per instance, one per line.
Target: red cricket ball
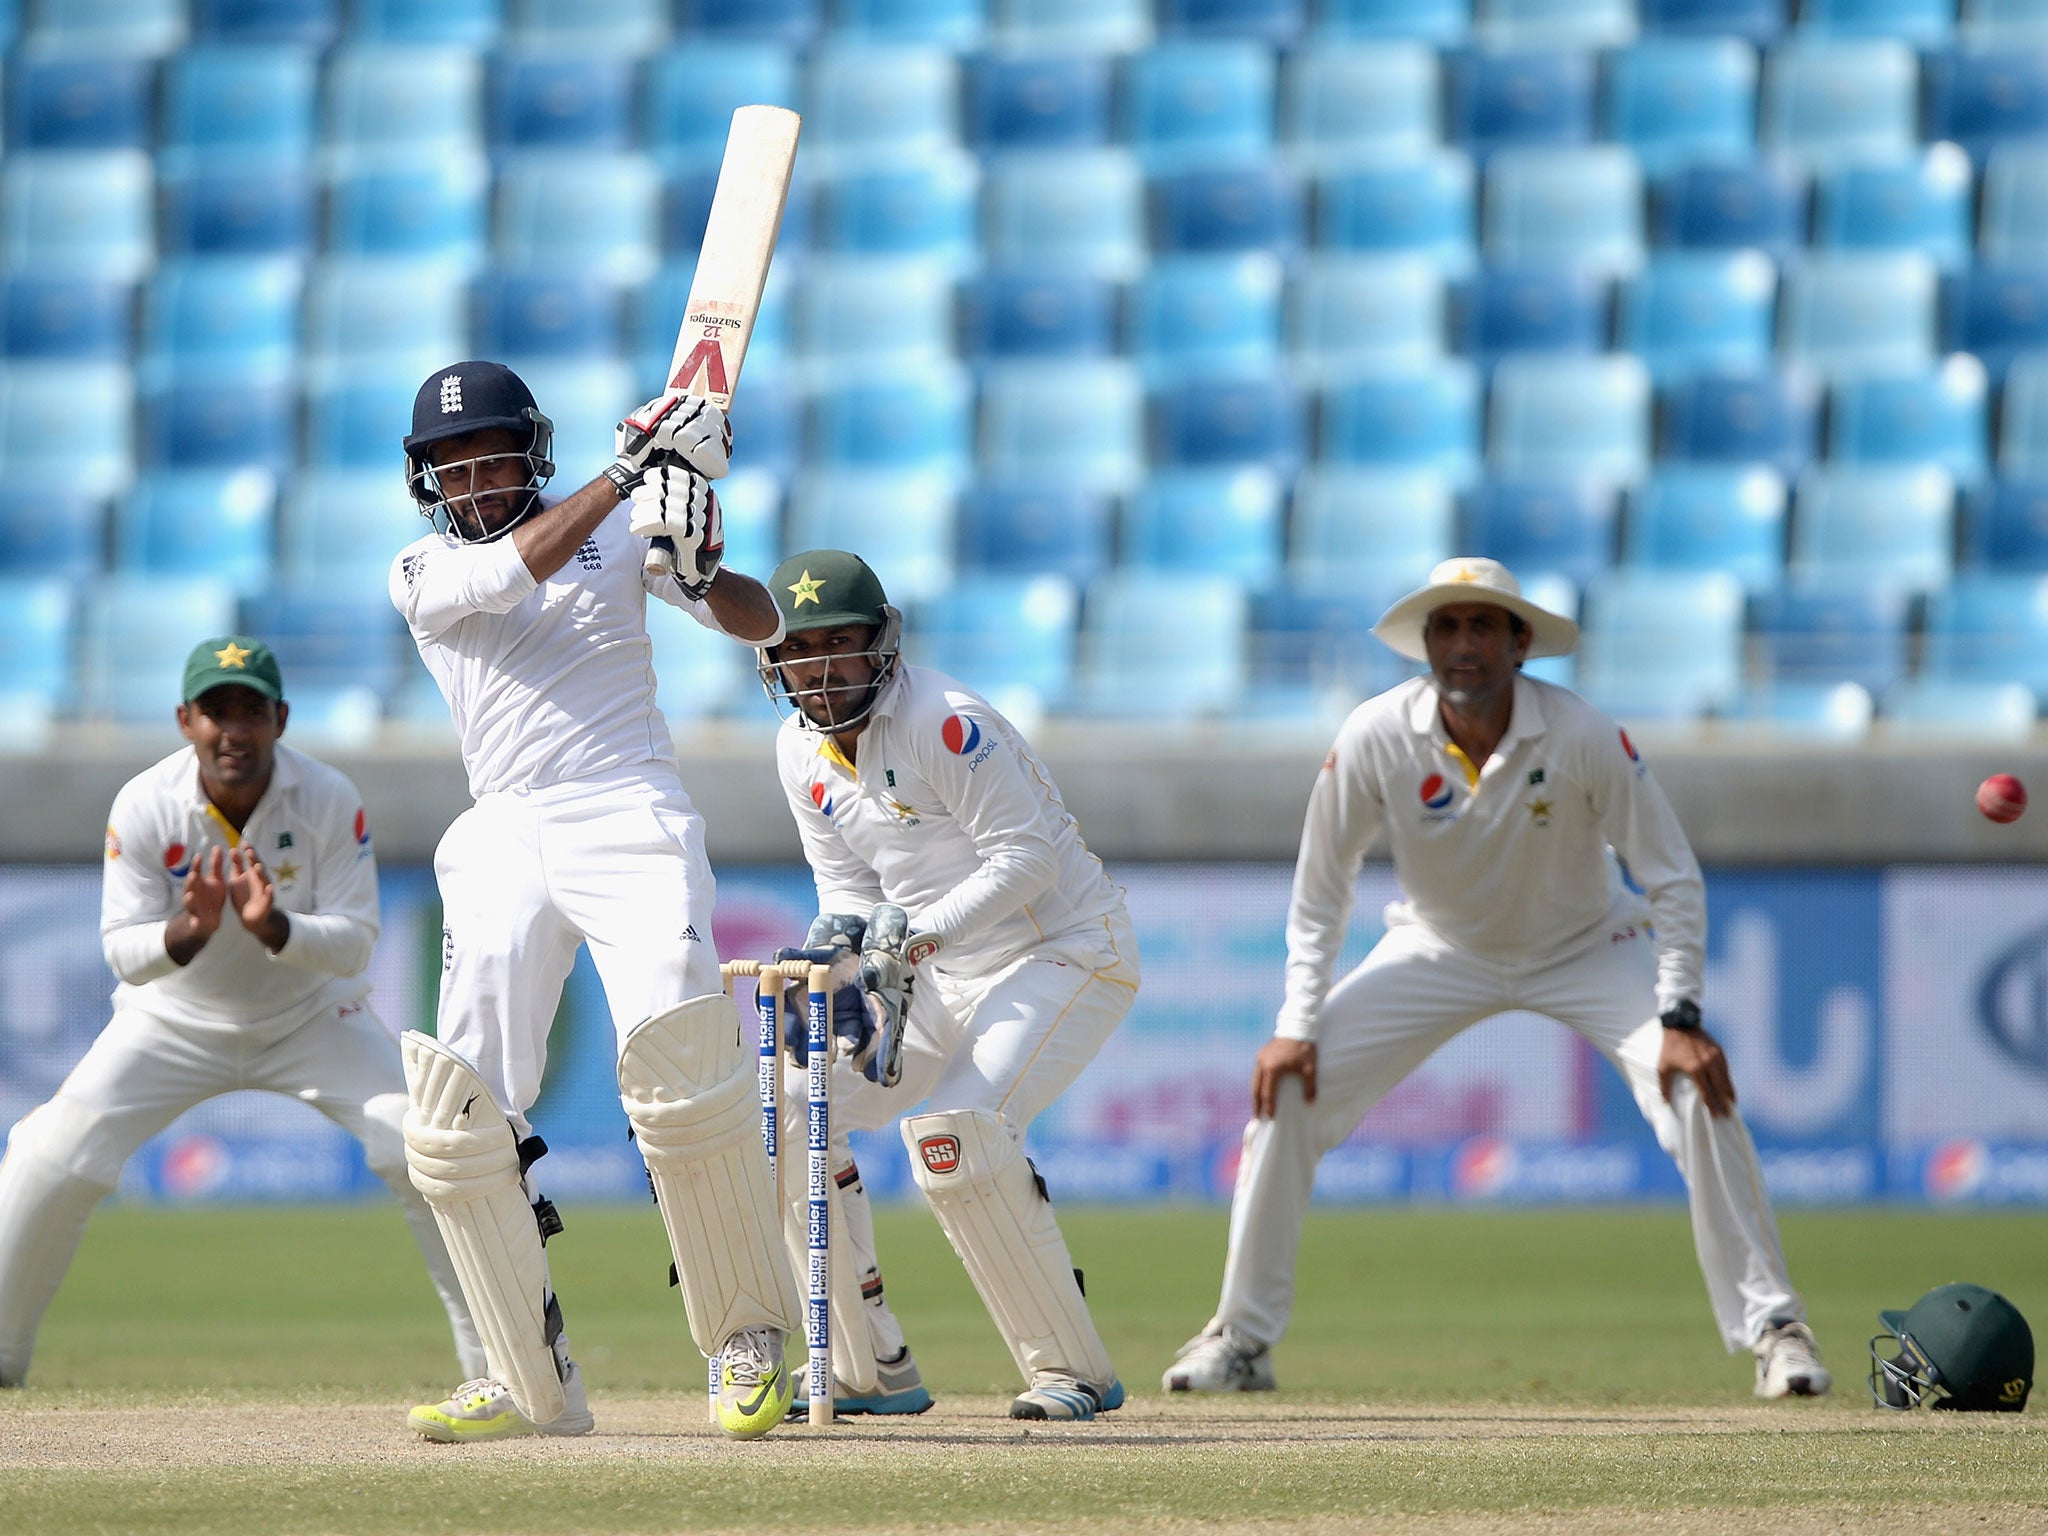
(2002, 797)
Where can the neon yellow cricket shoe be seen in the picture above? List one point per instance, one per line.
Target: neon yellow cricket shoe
(483, 1409)
(754, 1388)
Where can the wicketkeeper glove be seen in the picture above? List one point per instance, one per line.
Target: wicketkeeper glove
(888, 974)
(670, 428)
(679, 505)
(834, 940)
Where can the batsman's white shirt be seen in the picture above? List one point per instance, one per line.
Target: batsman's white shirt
(310, 832)
(1516, 863)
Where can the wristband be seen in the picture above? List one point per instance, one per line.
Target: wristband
(623, 477)
(1683, 1015)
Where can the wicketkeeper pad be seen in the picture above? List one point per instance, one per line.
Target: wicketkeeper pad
(694, 1101)
(995, 1213)
(464, 1158)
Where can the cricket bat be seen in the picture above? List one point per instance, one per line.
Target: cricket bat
(732, 264)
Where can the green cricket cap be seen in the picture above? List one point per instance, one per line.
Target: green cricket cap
(241, 660)
(825, 588)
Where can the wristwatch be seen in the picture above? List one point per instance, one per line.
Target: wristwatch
(1683, 1014)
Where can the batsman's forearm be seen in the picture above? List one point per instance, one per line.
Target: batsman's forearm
(744, 609)
(546, 542)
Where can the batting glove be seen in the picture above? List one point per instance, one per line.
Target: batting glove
(671, 427)
(679, 505)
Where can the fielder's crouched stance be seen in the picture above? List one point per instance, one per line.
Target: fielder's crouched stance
(531, 615)
(921, 807)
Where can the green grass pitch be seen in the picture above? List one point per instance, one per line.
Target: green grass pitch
(247, 1371)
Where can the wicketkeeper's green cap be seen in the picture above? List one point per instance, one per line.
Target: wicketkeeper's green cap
(825, 588)
(241, 660)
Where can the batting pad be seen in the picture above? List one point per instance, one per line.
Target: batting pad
(694, 1101)
(853, 1355)
(991, 1208)
(464, 1159)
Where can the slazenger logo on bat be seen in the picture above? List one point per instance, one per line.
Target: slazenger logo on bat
(941, 1154)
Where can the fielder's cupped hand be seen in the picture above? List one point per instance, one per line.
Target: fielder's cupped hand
(1696, 1054)
(679, 505)
(249, 888)
(673, 427)
(206, 891)
(1277, 1061)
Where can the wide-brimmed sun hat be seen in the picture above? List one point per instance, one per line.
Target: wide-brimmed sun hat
(1472, 579)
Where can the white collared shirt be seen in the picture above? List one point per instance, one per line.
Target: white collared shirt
(310, 831)
(951, 817)
(1517, 865)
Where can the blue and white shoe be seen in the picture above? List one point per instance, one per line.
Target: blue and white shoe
(1064, 1399)
(899, 1388)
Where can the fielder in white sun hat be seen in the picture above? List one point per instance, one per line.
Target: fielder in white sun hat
(1473, 579)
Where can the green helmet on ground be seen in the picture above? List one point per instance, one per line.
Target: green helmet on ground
(1960, 1346)
(833, 589)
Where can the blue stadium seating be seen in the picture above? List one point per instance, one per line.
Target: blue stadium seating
(751, 500)
(1347, 103)
(1230, 421)
(789, 22)
(902, 523)
(411, 316)
(1044, 523)
(1010, 638)
(78, 214)
(241, 99)
(1848, 315)
(871, 100)
(1674, 100)
(1851, 631)
(1998, 23)
(1236, 208)
(2013, 227)
(357, 419)
(597, 214)
(37, 613)
(1691, 311)
(49, 315)
(2023, 418)
(325, 639)
(1094, 411)
(1739, 417)
(1943, 708)
(1078, 26)
(1038, 101)
(1711, 517)
(837, 319)
(217, 209)
(1161, 645)
(1209, 521)
(345, 527)
(71, 420)
(924, 206)
(418, 103)
(1422, 207)
(1837, 714)
(1024, 313)
(633, 27)
(1829, 100)
(1313, 650)
(1414, 418)
(219, 420)
(138, 28)
(924, 422)
(581, 396)
(1574, 417)
(1922, 204)
(658, 304)
(1207, 316)
(1754, 21)
(2007, 526)
(1876, 524)
(1080, 211)
(468, 23)
(310, 23)
(1939, 417)
(1662, 644)
(1923, 23)
(1578, 207)
(1348, 314)
(1976, 98)
(1555, 23)
(71, 99)
(1997, 313)
(199, 522)
(698, 673)
(1501, 99)
(1989, 629)
(559, 98)
(50, 529)
(1758, 204)
(692, 89)
(135, 632)
(1560, 527)
(1354, 528)
(769, 419)
(686, 212)
(953, 23)
(1531, 309)
(230, 313)
(1192, 103)
(545, 314)
(1443, 22)
(1278, 22)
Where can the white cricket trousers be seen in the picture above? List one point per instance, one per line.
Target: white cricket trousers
(615, 863)
(142, 1072)
(1413, 993)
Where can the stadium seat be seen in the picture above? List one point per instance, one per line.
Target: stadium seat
(924, 206)
(465, 23)
(1921, 204)
(921, 422)
(1076, 26)
(1661, 644)
(2023, 418)
(2013, 229)
(114, 28)
(1689, 311)
(49, 529)
(356, 419)
(1996, 314)
(1503, 99)
(1236, 208)
(1312, 652)
(217, 208)
(1209, 521)
(1891, 524)
(1675, 100)
(207, 523)
(1009, 638)
(1555, 23)
(408, 316)
(218, 420)
(1421, 207)
(37, 645)
(902, 523)
(413, 103)
(309, 23)
(1848, 315)
(68, 421)
(1980, 98)
(1559, 527)
(686, 211)
(791, 23)
(1086, 418)
(545, 314)
(1835, 714)
(1991, 24)
(556, 97)
(693, 88)
(240, 99)
(1231, 422)
(436, 211)
(1937, 417)
(2007, 526)
(867, 102)
(1412, 418)
(1572, 207)
(1075, 211)
(49, 315)
(1038, 101)
(1348, 314)
(1358, 527)
(751, 499)
(1985, 628)
(326, 640)
(582, 396)
(1754, 21)
(658, 303)
(955, 24)
(1758, 204)
(1161, 645)
(769, 419)
(66, 99)
(1039, 524)
(596, 214)
(1834, 631)
(346, 526)
(837, 320)
(135, 632)
(1207, 317)
(1923, 23)
(1027, 313)
(1346, 103)
(1530, 309)
(82, 215)
(1828, 101)
(1941, 708)
(1278, 22)
(1443, 22)
(632, 27)
(1737, 417)
(233, 314)
(1194, 103)
(1710, 517)
(1571, 417)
